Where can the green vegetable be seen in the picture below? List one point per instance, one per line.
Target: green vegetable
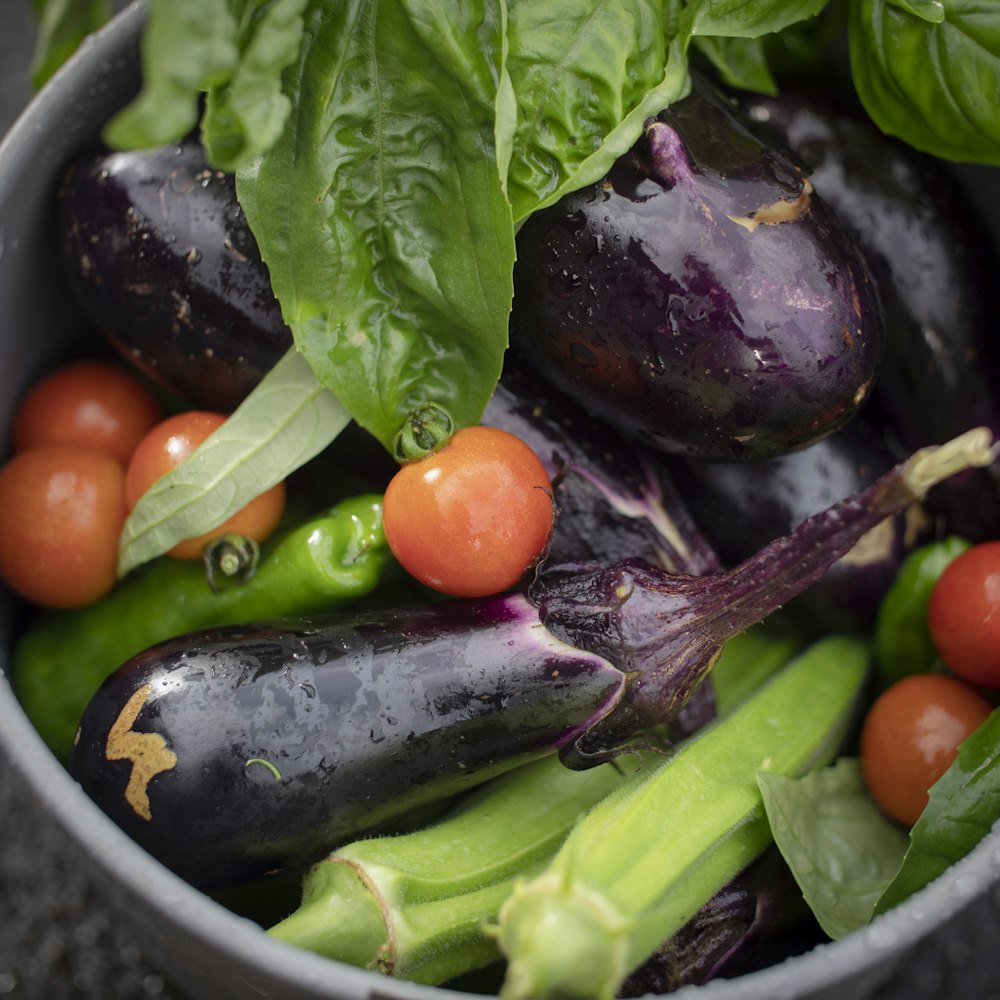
(62, 25)
(902, 640)
(749, 658)
(637, 867)
(964, 804)
(63, 656)
(928, 71)
(380, 211)
(413, 906)
(842, 851)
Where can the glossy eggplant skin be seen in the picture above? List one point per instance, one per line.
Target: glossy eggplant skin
(700, 296)
(242, 750)
(742, 507)
(614, 498)
(163, 261)
(936, 271)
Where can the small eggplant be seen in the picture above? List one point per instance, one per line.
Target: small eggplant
(163, 261)
(700, 296)
(238, 751)
(742, 507)
(935, 268)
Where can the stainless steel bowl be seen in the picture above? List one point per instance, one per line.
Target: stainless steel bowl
(938, 944)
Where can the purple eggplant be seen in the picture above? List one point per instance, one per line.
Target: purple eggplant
(238, 751)
(741, 507)
(614, 498)
(163, 262)
(935, 267)
(700, 296)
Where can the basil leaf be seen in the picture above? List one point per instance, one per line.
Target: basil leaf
(929, 10)
(286, 420)
(187, 47)
(748, 18)
(963, 805)
(740, 62)
(245, 116)
(381, 213)
(586, 75)
(840, 848)
(932, 84)
(62, 25)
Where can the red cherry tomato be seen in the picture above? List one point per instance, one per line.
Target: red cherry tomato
(468, 520)
(90, 404)
(165, 447)
(63, 510)
(910, 737)
(964, 615)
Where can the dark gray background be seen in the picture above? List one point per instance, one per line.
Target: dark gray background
(59, 940)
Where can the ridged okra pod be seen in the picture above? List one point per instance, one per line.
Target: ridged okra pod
(642, 862)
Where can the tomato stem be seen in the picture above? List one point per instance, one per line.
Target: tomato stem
(426, 430)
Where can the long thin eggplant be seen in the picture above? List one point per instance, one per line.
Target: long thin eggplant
(700, 296)
(935, 268)
(234, 752)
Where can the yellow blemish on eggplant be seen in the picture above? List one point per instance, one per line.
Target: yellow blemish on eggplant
(148, 752)
(777, 212)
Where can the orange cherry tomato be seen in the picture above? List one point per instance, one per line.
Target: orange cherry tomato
(910, 737)
(63, 511)
(89, 404)
(470, 519)
(964, 615)
(165, 447)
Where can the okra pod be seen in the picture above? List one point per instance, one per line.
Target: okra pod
(63, 656)
(643, 861)
(413, 906)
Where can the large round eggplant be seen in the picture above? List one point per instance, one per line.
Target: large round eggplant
(935, 268)
(701, 296)
(164, 263)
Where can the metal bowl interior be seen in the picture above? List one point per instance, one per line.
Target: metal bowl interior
(208, 950)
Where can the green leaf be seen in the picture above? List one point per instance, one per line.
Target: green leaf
(586, 75)
(963, 805)
(188, 46)
(935, 85)
(740, 62)
(748, 18)
(840, 848)
(285, 421)
(62, 25)
(245, 116)
(929, 10)
(381, 212)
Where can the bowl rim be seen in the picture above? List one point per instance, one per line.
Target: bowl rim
(868, 950)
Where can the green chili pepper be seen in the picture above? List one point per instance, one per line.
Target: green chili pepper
(642, 861)
(63, 656)
(902, 640)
